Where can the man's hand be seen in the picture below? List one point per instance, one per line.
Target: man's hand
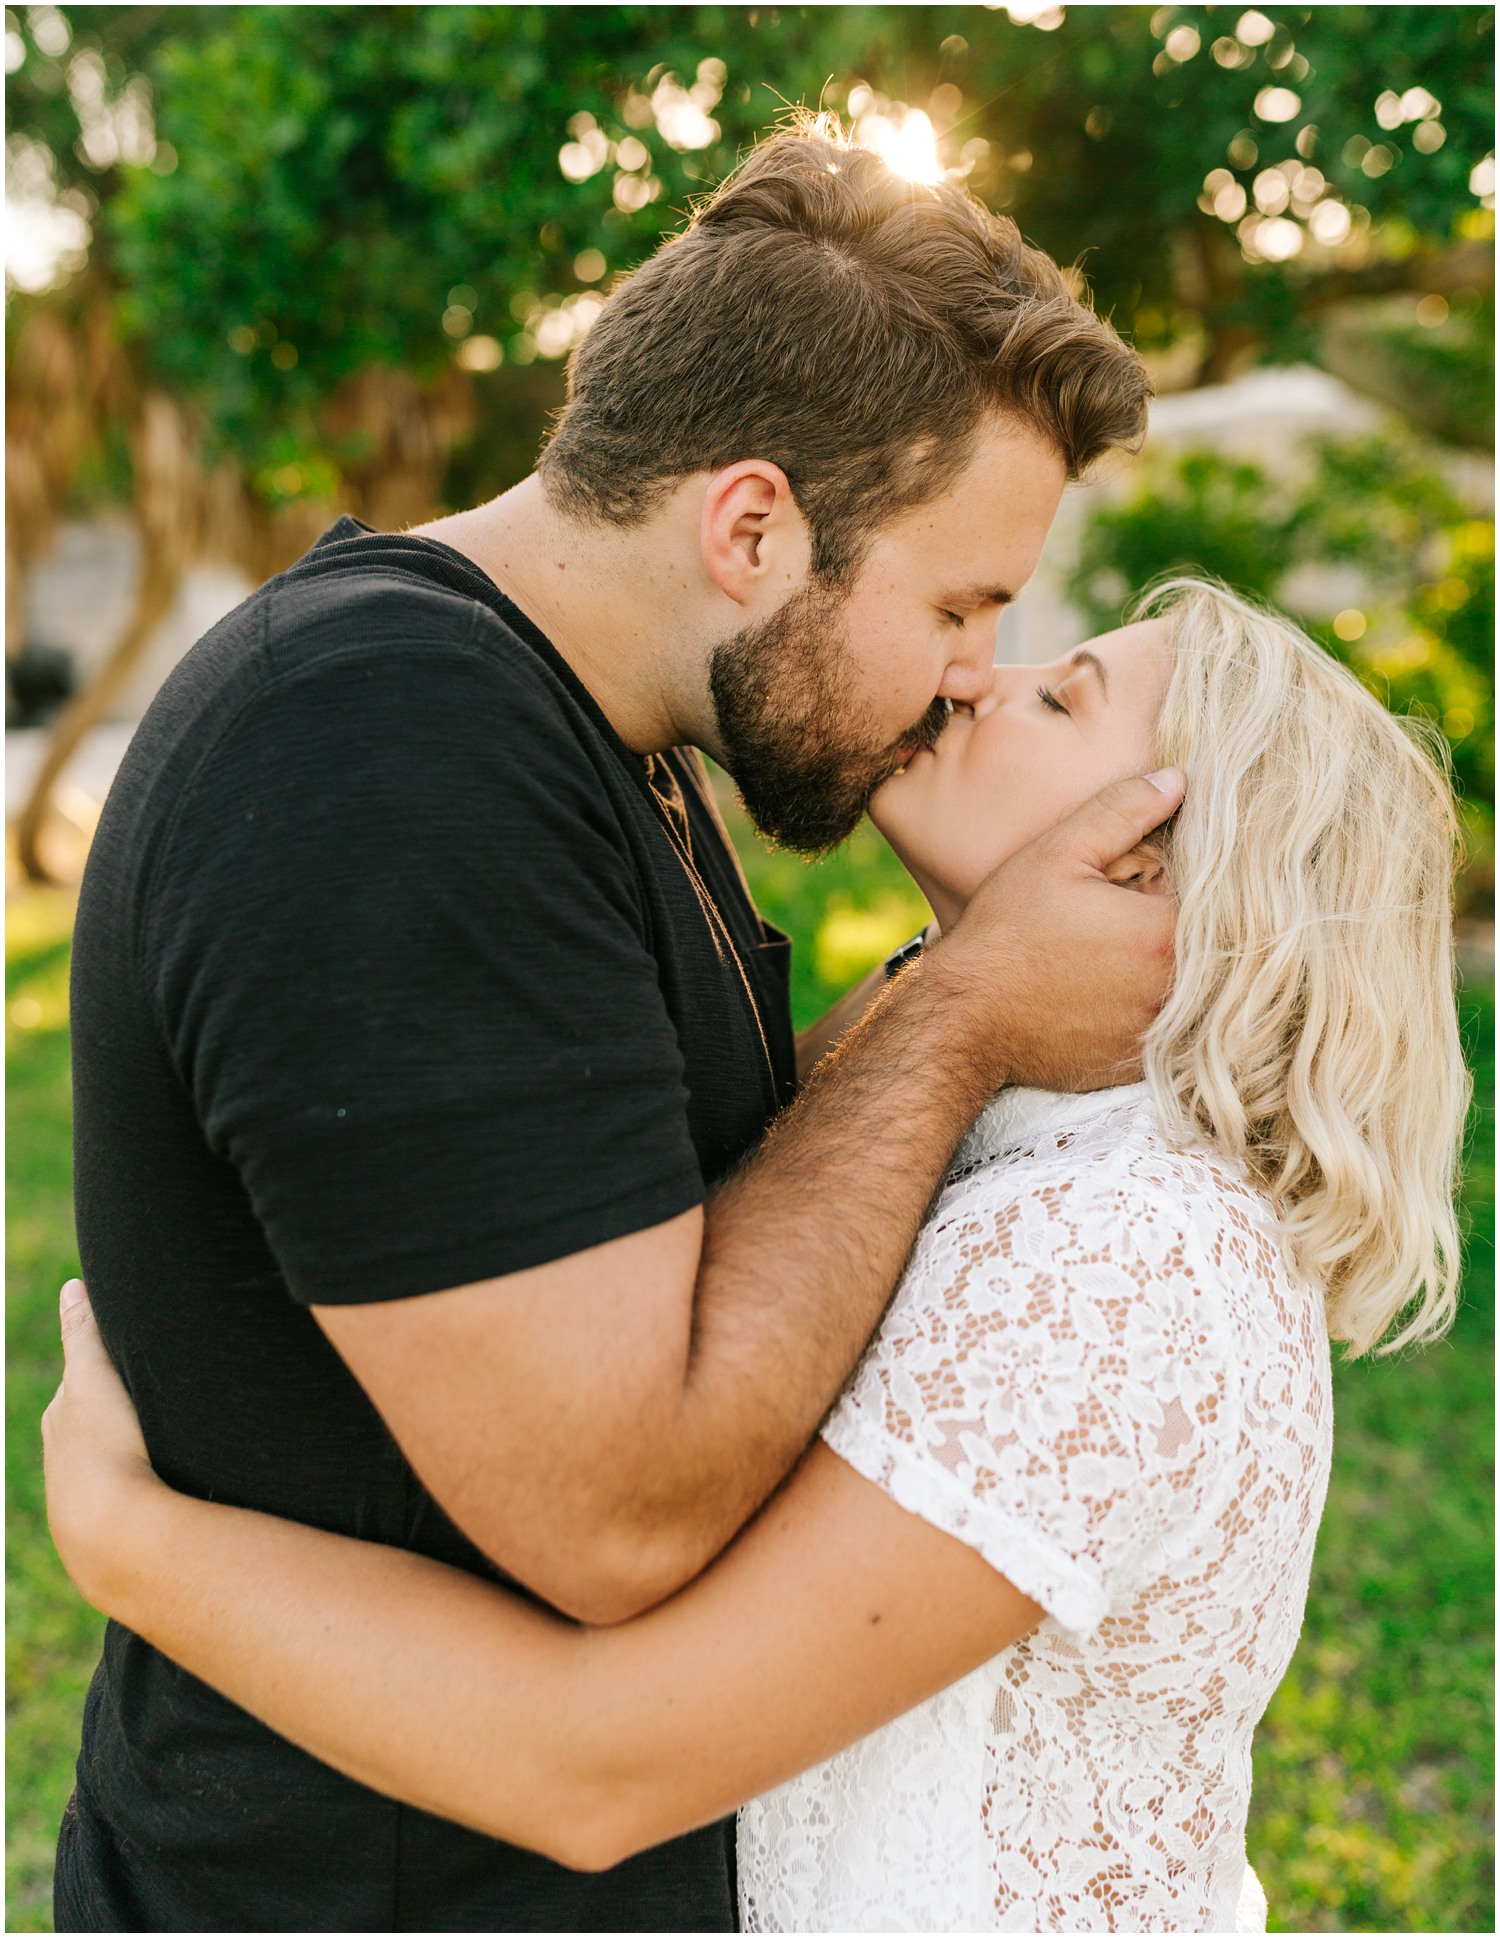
(1068, 968)
(96, 1462)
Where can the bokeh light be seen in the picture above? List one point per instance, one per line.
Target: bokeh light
(906, 142)
(1036, 13)
(480, 353)
(1277, 104)
(1254, 29)
(1330, 223)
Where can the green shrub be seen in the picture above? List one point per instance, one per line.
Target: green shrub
(1419, 633)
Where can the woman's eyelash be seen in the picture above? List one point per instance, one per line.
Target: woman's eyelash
(1050, 700)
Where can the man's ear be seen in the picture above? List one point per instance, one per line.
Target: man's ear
(753, 537)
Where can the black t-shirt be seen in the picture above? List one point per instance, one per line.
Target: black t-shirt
(394, 970)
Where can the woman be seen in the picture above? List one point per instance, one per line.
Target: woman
(993, 1656)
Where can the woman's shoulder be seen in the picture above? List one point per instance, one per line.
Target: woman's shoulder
(1104, 1145)
(1073, 1375)
(1095, 1347)
(1091, 1194)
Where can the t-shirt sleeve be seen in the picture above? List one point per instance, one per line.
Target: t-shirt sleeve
(1050, 1387)
(401, 959)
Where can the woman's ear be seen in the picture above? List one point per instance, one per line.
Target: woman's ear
(752, 534)
(1144, 868)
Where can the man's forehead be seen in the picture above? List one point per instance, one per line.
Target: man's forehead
(978, 543)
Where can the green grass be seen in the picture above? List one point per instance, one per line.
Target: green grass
(51, 1637)
(1374, 1773)
(1374, 1768)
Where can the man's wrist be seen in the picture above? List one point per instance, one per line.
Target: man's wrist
(964, 995)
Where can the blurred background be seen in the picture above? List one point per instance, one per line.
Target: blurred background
(268, 264)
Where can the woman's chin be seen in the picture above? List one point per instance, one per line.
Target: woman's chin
(884, 810)
(888, 819)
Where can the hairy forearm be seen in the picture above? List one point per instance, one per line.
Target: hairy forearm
(819, 1038)
(803, 1246)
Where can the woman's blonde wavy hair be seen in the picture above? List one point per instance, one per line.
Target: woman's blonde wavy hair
(1311, 1028)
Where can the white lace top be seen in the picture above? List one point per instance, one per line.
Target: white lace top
(1099, 1373)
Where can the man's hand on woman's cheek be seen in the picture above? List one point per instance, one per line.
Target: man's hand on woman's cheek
(1075, 968)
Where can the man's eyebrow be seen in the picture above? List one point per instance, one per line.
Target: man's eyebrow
(979, 595)
(1083, 657)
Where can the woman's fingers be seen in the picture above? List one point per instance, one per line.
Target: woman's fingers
(91, 1409)
(91, 1386)
(95, 1454)
(87, 1366)
(75, 1314)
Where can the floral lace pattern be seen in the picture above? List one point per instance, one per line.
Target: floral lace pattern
(1099, 1373)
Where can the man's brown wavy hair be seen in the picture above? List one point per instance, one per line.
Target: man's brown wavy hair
(854, 328)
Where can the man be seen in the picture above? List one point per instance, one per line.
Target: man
(423, 1026)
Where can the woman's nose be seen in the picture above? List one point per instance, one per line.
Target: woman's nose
(996, 687)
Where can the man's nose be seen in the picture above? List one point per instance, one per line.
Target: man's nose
(968, 680)
(983, 689)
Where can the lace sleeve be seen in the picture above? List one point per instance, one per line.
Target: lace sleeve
(1055, 1384)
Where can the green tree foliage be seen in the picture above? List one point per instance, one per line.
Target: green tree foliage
(1420, 629)
(337, 187)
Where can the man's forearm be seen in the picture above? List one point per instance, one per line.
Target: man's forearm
(803, 1246)
(819, 1038)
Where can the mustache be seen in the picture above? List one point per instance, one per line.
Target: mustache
(926, 733)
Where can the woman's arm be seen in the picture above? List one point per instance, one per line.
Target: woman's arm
(819, 1038)
(833, 1612)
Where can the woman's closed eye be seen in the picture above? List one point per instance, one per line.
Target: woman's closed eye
(1050, 700)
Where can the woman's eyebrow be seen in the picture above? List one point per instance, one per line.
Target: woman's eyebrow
(1083, 657)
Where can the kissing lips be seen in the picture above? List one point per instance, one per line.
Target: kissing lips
(924, 738)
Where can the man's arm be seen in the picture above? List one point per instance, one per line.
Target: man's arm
(836, 1021)
(602, 1425)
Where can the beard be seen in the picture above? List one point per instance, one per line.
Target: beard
(784, 695)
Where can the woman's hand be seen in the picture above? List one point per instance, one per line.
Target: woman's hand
(98, 1471)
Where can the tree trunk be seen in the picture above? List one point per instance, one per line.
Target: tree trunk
(169, 502)
(160, 579)
(1214, 283)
